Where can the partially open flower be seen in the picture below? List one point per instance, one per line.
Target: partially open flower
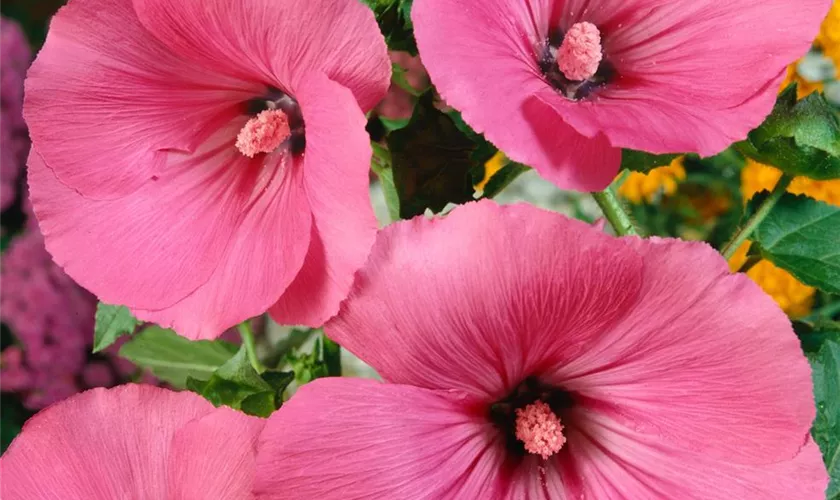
(562, 85)
(534, 368)
(202, 161)
(132, 442)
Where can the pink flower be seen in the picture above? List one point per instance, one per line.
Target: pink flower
(545, 359)
(133, 441)
(563, 85)
(143, 192)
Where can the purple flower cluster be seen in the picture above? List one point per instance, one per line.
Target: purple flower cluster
(50, 316)
(52, 319)
(15, 57)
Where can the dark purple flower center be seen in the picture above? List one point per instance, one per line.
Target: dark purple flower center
(575, 90)
(503, 413)
(276, 99)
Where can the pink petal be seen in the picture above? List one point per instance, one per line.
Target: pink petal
(97, 241)
(277, 41)
(654, 334)
(481, 58)
(644, 117)
(265, 253)
(100, 444)
(659, 48)
(704, 360)
(214, 457)
(668, 49)
(615, 462)
(336, 179)
(608, 15)
(578, 162)
(536, 289)
(186, 245)
(353, 439)
(103, 97)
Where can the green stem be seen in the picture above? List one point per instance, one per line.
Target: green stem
(751, 261)
(332, 357)
(760, 214)
(614, 212)
(250, 346)
(620, 179)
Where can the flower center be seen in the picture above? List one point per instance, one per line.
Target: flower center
(276, 121)
(263, 133)
(529, 418)
(580, 53)
(574, 62)
(539, 429)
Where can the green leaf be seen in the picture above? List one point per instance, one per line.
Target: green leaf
(461, 125)
(308, 367)
(800, 137)
(391, 125)
(503, 178)
(381, 166)
(398, 77)
(431, 161)
(332, 356)
(405, 10)
(825, 365)
(483, 152)
(802, 236)
(173, 358)
(5, 240)
(12, 418)
(394, 19)
(111, 323)
(481, 155)
(236, 384)
(290, 343)
(639, 161)
(813, 336)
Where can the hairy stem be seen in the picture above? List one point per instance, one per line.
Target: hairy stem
(614, 212)
(760, 214)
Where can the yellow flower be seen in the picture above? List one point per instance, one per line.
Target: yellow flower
(493, 165)
(803, 86)
(640, 187)
(795, 298)
(757, 177)
(829, 37)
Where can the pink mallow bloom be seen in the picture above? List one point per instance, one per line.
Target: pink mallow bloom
(203, 161)
(544, 359)
(132, 442)
(563, 85)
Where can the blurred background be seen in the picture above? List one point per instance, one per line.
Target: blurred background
(47, 320)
